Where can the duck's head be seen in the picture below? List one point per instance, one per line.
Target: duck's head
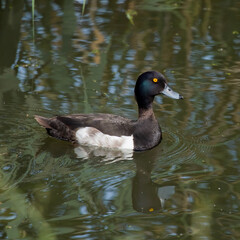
(148, 85)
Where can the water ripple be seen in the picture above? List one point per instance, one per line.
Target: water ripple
(181, 148)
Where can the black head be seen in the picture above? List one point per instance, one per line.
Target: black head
(148, 85)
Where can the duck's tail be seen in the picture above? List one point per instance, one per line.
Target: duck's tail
(44, 122)
(56, 128)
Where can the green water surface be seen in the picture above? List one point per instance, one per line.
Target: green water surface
(76, 59)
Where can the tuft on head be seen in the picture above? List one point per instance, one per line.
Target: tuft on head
(150, 82)
(148, 85)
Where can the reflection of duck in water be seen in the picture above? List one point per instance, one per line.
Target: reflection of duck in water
(111, 131)
(147, 196)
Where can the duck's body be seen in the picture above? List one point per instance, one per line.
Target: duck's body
(112, 131)
(104, 130)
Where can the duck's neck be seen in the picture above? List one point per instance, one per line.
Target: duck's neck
(146, 112)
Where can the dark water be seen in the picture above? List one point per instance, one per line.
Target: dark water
(73, 60)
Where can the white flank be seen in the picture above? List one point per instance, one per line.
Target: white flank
(110, 154)
(92, 136)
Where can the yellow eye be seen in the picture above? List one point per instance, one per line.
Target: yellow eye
(155, 79)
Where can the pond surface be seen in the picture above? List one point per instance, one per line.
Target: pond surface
(82, 58)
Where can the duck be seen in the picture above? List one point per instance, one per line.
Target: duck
(113, 131)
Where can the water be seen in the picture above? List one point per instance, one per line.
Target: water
(185, 188)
